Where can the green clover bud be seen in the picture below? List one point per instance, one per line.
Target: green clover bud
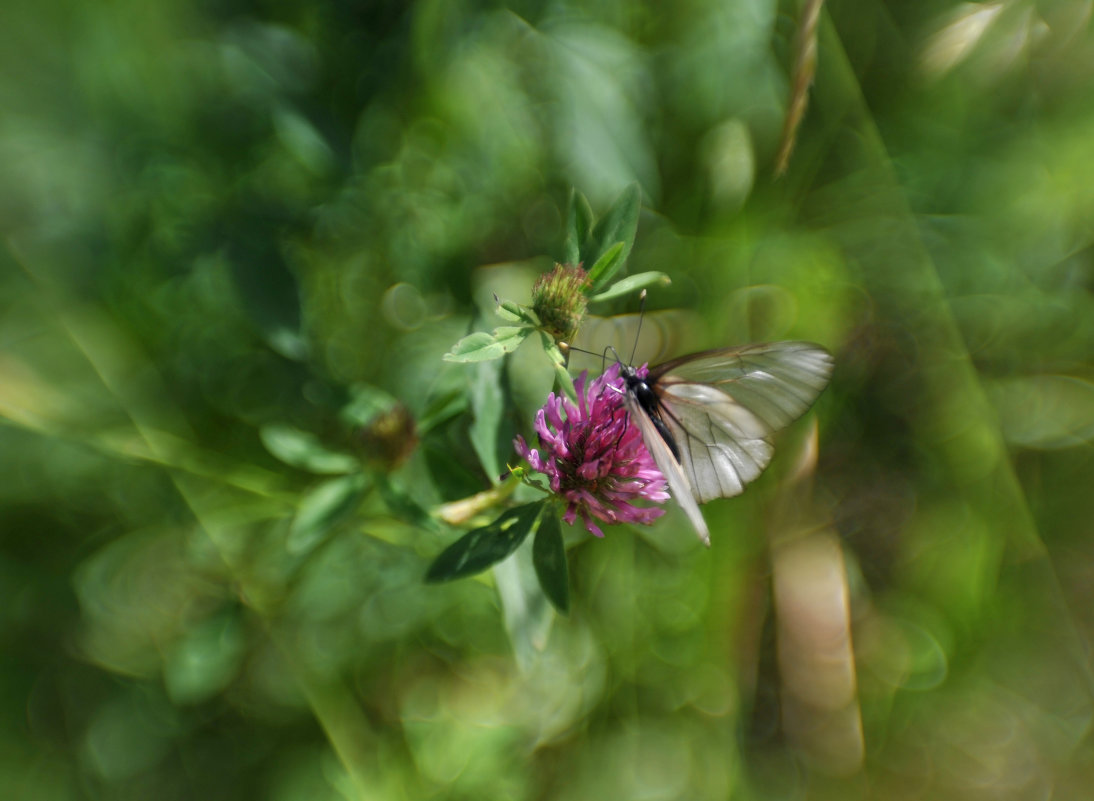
(558, 299)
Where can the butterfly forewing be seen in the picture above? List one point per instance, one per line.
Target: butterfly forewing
(777, 381)
(722, 407)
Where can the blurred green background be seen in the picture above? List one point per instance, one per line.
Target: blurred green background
(234, 233)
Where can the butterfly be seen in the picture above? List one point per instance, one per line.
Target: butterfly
(708, 418)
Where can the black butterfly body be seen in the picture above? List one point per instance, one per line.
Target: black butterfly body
(648, 403)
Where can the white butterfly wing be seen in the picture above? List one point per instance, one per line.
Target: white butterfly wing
(723, 446)
(776, 381)
(679, 484)
(722, 408)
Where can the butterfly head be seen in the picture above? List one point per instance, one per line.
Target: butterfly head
(639, 388)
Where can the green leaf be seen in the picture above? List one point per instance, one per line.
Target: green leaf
(441, 408)
(579, 219)
(630, 284)
(487, 404)
(607, 265)
(527, 612)
(322, 508)
(480, 346)
(303, 450)
(558, 361)
(474, 347)
(549, 559)
(619, 225)
(515, 313)
(508, 310)
(483, 547)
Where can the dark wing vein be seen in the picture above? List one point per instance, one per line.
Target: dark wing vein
(731, 451)
(730, 402)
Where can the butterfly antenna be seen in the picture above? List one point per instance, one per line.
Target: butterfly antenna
(566, 347)
(641, 316)
(604, 357)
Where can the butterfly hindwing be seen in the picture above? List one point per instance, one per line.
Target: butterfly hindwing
(723, 446)
(679, 483)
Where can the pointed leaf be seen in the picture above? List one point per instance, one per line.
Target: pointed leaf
(549, 559)
(630, 284)
(480, 346)
(618, 225)
(579, 219)
(441, 408)
(606, 266)
(487, 405)
(303, 450)
(515, 313)
(483, 547)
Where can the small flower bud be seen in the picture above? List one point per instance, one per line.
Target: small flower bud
(558, 299)
(381, 428)
(389, 438)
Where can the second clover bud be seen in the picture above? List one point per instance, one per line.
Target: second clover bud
(558, 299)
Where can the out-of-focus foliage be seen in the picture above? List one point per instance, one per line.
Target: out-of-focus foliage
(238, 239)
